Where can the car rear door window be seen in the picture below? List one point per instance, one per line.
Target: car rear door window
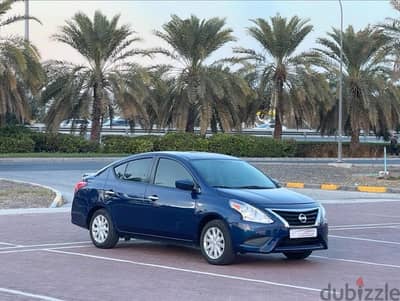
(169, 171)
(136, 170)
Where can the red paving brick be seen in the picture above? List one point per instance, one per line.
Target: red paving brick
(140, 270)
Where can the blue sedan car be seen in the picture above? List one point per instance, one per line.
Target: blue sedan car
(217, 202)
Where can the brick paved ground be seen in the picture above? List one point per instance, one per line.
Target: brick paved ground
(44, 257)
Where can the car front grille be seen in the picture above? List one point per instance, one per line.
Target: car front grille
(298, 218)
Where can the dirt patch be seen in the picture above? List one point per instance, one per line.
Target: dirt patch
(322, 173)
(393, 182)
(18, 195)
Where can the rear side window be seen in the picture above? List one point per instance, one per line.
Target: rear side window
(169, 171)
(137, 170)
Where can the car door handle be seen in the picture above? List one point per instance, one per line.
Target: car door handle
(109, 193)
(153, 198)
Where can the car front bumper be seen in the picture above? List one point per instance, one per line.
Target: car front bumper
(274, 238)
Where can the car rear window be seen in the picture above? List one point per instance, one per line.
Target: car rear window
(136, 170)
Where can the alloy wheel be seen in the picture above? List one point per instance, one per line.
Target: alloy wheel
(214, 243)
(100, 229)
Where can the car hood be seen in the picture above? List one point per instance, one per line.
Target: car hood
(279, 197)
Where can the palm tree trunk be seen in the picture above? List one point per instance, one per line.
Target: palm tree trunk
(214, 125)
(205, 118)
(96, 115)
(278, 111)
(355, 141)
(191, 119)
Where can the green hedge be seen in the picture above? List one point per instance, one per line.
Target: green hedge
(22, 144)
(235, 145)
(63, 143)
(250, 146)
(14, 131)
(18, 139)
(126, 145)
(181, 142)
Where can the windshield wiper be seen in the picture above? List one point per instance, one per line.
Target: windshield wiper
(253, 187)
(222, 186)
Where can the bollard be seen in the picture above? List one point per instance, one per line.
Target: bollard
(384, 160)
(384, 173)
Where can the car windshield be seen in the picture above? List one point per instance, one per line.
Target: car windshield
(232, 174)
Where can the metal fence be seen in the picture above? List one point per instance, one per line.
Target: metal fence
(298, 135)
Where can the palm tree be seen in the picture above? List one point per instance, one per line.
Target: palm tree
(5, 7)
(69, 91)
(21, 74)
(204, 91)
(159, 103)
(129, 91)
(371, 100)
(395, 4)
(392, 29)
(106, 46)
(257, 100)
(279, 70)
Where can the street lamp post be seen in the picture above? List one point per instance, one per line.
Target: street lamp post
(27, 20)
(340, 121)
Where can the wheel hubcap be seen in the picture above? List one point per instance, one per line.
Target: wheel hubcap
(100, 229)
(214, 243)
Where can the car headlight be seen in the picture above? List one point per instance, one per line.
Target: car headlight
(250, 213)
(323, 217)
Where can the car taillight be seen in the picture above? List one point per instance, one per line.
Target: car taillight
(80, 185)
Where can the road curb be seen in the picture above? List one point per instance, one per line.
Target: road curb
(330, 186)
(58, 200)
(22, 211)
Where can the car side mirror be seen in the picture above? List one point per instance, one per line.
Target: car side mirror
(187, 185)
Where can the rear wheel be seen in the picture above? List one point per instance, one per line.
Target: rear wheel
(297, 255)
(216, 244)
(102, 231)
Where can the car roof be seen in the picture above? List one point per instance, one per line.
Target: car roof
(189, 155)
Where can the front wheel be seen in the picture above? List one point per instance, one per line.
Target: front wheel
(297, 255)
(216, 244)
(102, 231)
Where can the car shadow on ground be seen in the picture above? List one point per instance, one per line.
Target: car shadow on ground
(170, 253)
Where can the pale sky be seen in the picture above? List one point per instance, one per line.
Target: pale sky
(145, 16)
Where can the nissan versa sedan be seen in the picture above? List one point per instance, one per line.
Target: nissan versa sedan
(220, 203)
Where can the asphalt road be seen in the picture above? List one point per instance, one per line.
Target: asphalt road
(44, 257)
(62, 174)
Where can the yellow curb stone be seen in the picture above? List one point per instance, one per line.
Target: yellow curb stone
(295, 185)
(330, 186)
(371, 188)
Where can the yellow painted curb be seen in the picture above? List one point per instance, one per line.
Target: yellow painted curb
(295, 185)
(330, 186)
(371, 188)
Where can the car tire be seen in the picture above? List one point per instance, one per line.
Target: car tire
(297, 255)
(102, 230)
(216, 243)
